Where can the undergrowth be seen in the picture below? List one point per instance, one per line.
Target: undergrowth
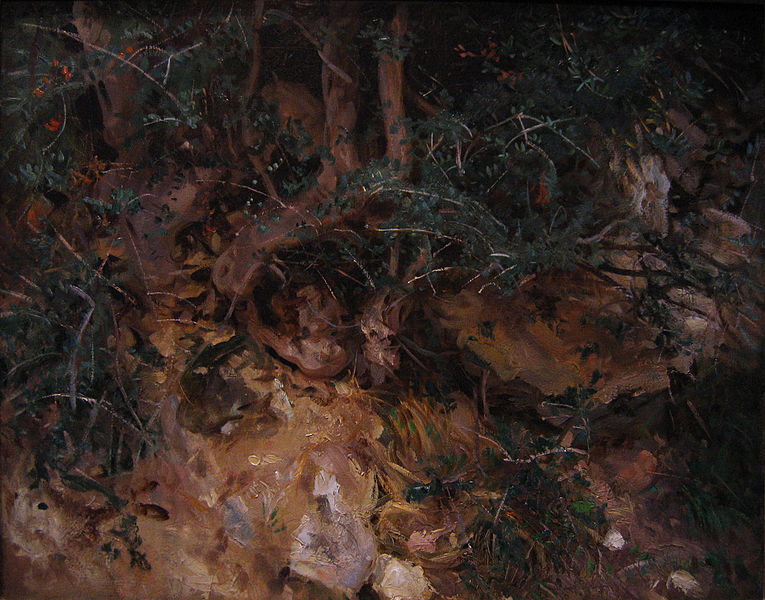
(72, 387)
(725, 486)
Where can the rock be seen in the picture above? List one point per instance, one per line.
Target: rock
(333, 548)
(334, 545)
(634, 470)
(236, 521)
(686, 583)
(396, 579)
(613, 540)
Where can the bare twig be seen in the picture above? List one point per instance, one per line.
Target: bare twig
(501, 504)
(752, 177)
(600, 235)
(13, 294)
(78, 339)
(429, 273)
(172, 55)
(103, 50)
(237, 293)
(129, 230)
(307, 34)
(406, 230)
(106, 404)
(76, 254)
(60, 129)
(542, 124)
(30, 361)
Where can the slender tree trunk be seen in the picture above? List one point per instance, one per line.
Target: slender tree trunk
(391, 85)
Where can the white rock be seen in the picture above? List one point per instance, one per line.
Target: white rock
(396, 579)
(686, 583)
(613, 540)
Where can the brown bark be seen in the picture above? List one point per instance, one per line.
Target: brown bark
(391, 85)
(340, 94)
(116, 95)
(283, 224)
(257, 51)
(249, 136)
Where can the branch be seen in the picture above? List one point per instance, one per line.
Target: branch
(117, 57)
(78, 339)
(307, 34)
(98, 274)
(110, 409)
(60, 130)
(524, 132)
(390, 73)
(257, 50)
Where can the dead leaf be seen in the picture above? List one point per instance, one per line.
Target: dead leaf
(424, 541)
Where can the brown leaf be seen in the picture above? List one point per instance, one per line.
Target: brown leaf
(152, 511)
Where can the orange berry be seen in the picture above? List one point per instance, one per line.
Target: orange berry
(38, 92)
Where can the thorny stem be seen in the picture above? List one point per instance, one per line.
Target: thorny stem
(117, 57)
(98, 274)
(78, 339)
(60, 129)
(337, 70)
(106, 404)
(542, 124)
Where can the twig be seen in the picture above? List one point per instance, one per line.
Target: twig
(256, 191)
(78, 339)
(484, 402)
(501, 504)
(117, 57)
(88, 427)
(752, 179)
(172, 295)
(413, 357)
(431, 148)
(695, 413)
(69, 247)
(163, 120)
(429, 273)
(406, 230)
(245, 281)
(172, 55)
(337, 70)
(60, 130)
(13, 294)
(30, 361)
(524, 132)
(599, 236)
(184, 321)
(105, 403)
(533, 457)
(129, 230)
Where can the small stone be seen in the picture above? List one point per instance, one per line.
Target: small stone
(613, 540)
(634, 470)
(686, 583)
(396, 579)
